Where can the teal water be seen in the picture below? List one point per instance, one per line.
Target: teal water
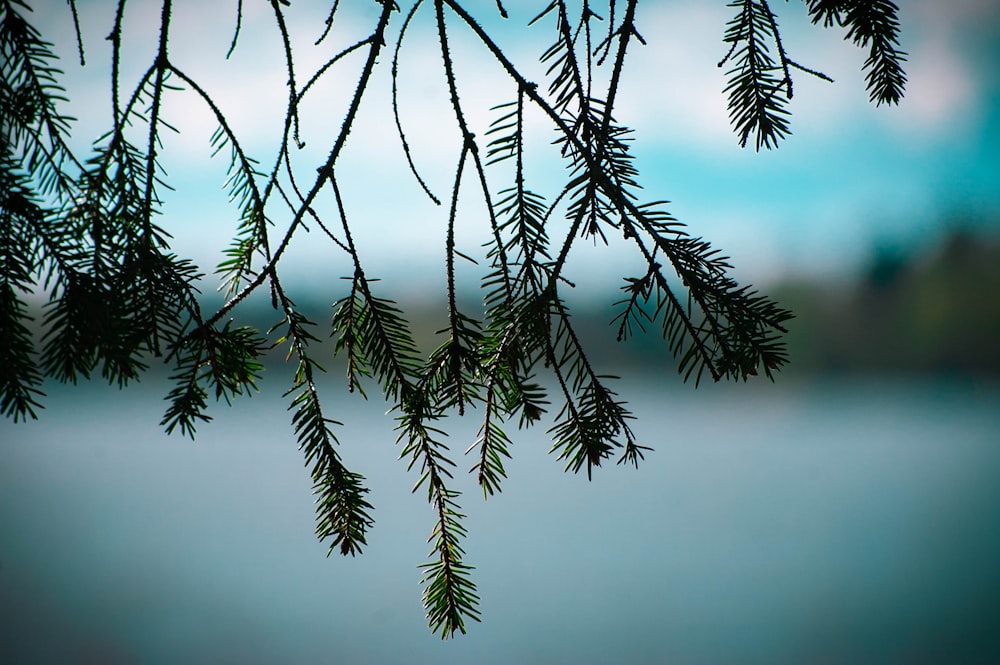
(824, 522)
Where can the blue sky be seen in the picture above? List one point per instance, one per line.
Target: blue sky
(852, 176)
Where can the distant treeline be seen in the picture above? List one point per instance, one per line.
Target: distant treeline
(932, 311)
(918, 312)
(928, 311)
(921, 311)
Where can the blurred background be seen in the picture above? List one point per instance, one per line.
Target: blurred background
(848, 512)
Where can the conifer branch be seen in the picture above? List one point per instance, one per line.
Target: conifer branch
(82, 233)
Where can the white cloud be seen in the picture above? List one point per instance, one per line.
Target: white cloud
(672, 95)
(946, 86)
(674, 89)
(941, 92)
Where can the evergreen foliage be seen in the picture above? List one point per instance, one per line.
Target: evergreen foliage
(85, 233)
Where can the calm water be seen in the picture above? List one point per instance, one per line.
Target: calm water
(803, 522)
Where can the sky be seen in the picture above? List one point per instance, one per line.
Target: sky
(852, 177)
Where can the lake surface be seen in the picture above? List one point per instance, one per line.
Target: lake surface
(819, 522)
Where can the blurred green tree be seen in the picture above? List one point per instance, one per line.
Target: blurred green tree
(83, 231)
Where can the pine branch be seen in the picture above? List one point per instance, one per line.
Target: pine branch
(251, 234)
(325, 172)
(30, 93)
(493, 443)
(873, 25)
(756, 102)
(342, 511)
(395, 103)
(449, 594)
(20, 378)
